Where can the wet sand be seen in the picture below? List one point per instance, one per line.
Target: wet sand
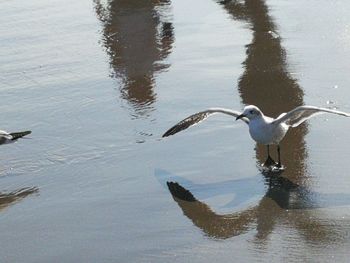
(99, 82)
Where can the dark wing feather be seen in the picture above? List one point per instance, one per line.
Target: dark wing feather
(198, 117)
(17, 135)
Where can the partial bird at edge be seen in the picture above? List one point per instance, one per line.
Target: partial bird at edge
(6, 137)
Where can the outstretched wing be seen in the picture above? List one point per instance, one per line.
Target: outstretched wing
(198, 117)
(300, 114)
(17, 135)
(6, 137)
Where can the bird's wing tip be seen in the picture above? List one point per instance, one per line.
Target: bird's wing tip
(168, 133)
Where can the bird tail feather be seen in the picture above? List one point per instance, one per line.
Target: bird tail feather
(17, 135)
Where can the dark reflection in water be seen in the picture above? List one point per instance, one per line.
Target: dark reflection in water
(266, 81)
(10, 198)
(214, 225)
(288, 201)
(284, 204)
(138, 36)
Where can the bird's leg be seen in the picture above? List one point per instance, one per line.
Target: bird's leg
(279, 156)
(269, 161)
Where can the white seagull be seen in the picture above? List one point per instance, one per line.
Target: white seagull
(264, 130)
(10, 137)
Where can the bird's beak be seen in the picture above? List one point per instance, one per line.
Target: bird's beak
(240, 117)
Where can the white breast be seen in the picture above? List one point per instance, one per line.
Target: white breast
(262, 131)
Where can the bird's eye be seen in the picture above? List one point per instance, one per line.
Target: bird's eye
(251, 112)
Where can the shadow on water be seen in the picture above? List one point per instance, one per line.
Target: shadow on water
(138, 37)
(283, 203)
(13, 197)
(267, 83)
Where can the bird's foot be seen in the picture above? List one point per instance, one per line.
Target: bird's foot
(272, 170)
(270, 166)
(280, 166)
(277, 167)
(269, 162)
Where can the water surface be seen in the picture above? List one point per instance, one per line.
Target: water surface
(98, 83)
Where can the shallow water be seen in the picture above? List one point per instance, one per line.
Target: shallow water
(99, 82)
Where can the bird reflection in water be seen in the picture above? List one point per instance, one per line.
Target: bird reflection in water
(138, 37)
(285, 204)
(13, 197)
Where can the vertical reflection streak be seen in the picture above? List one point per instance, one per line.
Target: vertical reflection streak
(138, 37)
(267, 83)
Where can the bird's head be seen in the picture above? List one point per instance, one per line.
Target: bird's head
(251, 112)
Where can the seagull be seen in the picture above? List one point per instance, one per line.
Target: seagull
(262, 129)
(6, 137)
